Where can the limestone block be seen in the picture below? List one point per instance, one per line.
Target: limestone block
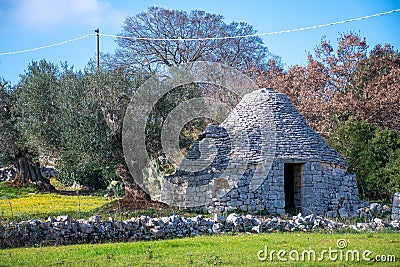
(280, 203)
(243, 207)
(396, 207)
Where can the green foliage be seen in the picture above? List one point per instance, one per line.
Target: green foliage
(152, 175)
(7, 192)
(189, 132)
(115, 188)
(37, 107)
(86, 175)
(158, 116)
(373, 155)
(74, 117)
(7, 125)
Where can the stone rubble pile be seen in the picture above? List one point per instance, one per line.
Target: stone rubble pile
(374, 210)
(65, 230)
(8, 173)
(396, 206)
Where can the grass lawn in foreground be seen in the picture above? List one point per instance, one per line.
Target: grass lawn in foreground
(218, 250)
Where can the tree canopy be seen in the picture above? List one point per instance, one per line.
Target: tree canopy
(347, 82)
(7, 123)
(160, 23)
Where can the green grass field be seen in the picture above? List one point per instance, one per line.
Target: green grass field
(222, 250)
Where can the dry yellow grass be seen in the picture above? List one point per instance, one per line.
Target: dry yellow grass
(43, 205)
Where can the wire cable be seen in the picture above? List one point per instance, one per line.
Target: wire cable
(253, 35)
(46, 46)
(205, 38)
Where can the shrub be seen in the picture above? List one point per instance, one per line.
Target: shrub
(373, 155)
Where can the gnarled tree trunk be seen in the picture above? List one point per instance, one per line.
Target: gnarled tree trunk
(131, 188)
(29, 172)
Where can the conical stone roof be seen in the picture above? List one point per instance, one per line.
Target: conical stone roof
(294, 138)
(272, 125)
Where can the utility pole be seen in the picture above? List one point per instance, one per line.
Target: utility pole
(97, 31)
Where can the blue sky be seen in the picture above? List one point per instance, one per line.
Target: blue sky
(28, 24)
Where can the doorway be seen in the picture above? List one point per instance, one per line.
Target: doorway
(292, 187)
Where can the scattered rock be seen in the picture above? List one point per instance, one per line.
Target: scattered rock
(7, 173)
(234, 219)
(396, 206)
(64, 218)
(219, 218)
(256, 229)
(95, 218)
(374, 210)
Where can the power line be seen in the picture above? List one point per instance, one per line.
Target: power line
(256, 34)
(46, 46)
(205, 38)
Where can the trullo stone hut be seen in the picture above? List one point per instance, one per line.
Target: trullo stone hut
(263, 157)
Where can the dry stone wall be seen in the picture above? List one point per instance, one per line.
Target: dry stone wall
(64, 230)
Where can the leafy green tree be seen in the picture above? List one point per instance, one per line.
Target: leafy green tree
(7, 125)
(351, 139)
(37, 106)
(21, 144)
(94, 107)
(373, 155)
(380, 165)
(82, 135)
(73, 117)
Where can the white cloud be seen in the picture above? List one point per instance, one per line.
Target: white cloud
(44, 15)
